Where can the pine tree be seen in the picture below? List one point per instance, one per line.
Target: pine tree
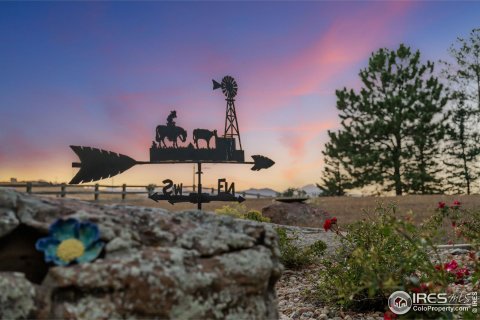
(462, 149)
(382, 125)
(335, 180)
(464, 75)
(423, 169)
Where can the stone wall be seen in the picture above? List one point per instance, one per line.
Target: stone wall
(156, 264)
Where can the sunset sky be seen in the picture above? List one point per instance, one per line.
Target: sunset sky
(105, 74)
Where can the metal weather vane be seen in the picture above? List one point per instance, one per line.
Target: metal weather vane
(96, 164)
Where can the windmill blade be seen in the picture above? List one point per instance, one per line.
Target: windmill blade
(96, 164)
(261, 162)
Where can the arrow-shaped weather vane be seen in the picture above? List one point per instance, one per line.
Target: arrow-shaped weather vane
(96, 164)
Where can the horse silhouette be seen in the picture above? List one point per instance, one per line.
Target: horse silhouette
(172, 133)
(203, 134)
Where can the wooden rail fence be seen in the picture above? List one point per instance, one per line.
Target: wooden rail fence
(96, 189)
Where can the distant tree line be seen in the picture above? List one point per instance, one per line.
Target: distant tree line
(411, 128)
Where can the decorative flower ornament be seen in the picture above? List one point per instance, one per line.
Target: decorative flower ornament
(71, 241)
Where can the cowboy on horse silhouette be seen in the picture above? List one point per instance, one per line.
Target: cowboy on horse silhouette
(170, 131)
(170, 122)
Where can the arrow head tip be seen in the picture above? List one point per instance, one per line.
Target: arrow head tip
(261, 162)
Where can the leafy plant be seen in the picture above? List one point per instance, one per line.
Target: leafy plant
(237, 211)
(255, 215)
(377, 256)
(294, 256)
(317, 248)
(240, 211)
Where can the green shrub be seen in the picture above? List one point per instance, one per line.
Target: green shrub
(237, 211)
(256, 216)
(377, 256)
(318, 248)
(240, 211)
(292, 255)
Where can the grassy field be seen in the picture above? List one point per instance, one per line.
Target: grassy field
(350, 209)
(346, 209)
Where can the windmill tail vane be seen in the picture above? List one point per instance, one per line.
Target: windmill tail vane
(216, 85)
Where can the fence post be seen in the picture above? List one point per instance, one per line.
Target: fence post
(29, 187)
(63, 190)
(124, 191)
(96, 191)
(258, 195)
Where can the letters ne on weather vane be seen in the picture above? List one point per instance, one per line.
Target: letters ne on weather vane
(96, 164)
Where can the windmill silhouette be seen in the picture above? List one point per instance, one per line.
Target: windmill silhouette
(229, 88)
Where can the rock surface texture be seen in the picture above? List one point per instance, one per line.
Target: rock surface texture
(190, 265)
(295, 214)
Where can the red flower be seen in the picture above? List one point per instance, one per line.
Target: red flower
(441, 205)
(454, 223)
(462, 272)
(450, 266)
(439, 267)
(389, 315)
(422, 288)
(456, 204)
(327, 225)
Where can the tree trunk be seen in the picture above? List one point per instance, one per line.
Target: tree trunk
(396, 165)
(396, 175)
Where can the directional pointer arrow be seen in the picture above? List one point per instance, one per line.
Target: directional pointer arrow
(193, 197)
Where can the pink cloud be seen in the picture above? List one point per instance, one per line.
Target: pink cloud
(296, 138)
(348, 40)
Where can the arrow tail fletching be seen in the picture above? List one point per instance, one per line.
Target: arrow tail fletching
(97, 164)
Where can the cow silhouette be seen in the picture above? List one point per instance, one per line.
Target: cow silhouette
(203, 134)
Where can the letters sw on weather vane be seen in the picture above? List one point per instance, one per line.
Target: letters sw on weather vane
(96, 164)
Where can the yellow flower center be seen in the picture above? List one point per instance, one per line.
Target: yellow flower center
(70, 249)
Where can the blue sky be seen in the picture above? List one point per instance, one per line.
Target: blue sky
(105, 74)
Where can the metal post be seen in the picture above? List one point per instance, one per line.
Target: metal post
(96, 191)
(124, 191)
(29, 187)
(199, 198)
(63, 191)
(193, 178)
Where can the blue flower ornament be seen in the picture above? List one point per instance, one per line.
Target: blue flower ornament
(71, 241)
